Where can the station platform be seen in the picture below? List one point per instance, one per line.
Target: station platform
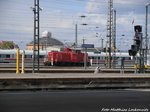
(48, 81)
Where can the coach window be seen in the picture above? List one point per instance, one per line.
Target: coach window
(28, 56)
(101, 57)
(2, 55)
(7, 56)
(41, 56)
(77, 51)
(95, 58)
(13, 55)
(25, 56)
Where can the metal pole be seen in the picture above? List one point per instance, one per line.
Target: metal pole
(102, 42)
(114, 29)
(34, 44)
(36, 36)
(109, 50)
(85, 58)
(84, 54)
(110, 28)
(23, 54)
(114, 39)
(140, 57)
(106, 63)
(76, 34)
(146, 40)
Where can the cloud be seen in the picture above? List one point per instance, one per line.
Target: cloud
(57, 18)
(17, 20)
(92, 6)
(96, 6)
(131, 2)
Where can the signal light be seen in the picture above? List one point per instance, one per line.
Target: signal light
(137, 41)
(134, 47)
(104, 49)
(138, 28)
(132, 52)
(138, 36)
(137, 44)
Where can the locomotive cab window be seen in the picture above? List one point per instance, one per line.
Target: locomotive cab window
(77, 51)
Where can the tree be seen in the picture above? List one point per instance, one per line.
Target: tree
(7, 45)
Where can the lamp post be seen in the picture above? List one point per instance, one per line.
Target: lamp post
(146, 22)
(85, 52)
(114, 38)
(85, 56)
(76, 30)
(76, 34)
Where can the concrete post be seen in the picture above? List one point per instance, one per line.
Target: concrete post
(23, 68)
(17, 61)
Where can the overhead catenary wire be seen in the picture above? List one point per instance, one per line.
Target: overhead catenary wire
(51, 15)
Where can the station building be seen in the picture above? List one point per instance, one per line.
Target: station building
(46, 42)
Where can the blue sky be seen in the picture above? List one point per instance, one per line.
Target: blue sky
(60, 16)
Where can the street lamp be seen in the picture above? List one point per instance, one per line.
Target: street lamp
(76, 30)
(85, 51)
(82, 16)
(146, 22)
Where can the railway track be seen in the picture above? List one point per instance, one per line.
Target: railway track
(11, 68)
(29, 65)
(68, 70)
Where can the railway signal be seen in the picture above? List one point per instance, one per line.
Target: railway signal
(138, 47)
(133, 50)
(138, 36)
(137, 41)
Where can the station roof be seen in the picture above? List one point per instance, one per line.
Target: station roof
(49, 41)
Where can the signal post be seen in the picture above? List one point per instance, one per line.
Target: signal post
(137, 47)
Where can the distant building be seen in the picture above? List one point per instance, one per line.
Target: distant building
(45, 42)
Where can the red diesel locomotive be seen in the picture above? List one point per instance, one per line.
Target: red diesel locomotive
(68, 57)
